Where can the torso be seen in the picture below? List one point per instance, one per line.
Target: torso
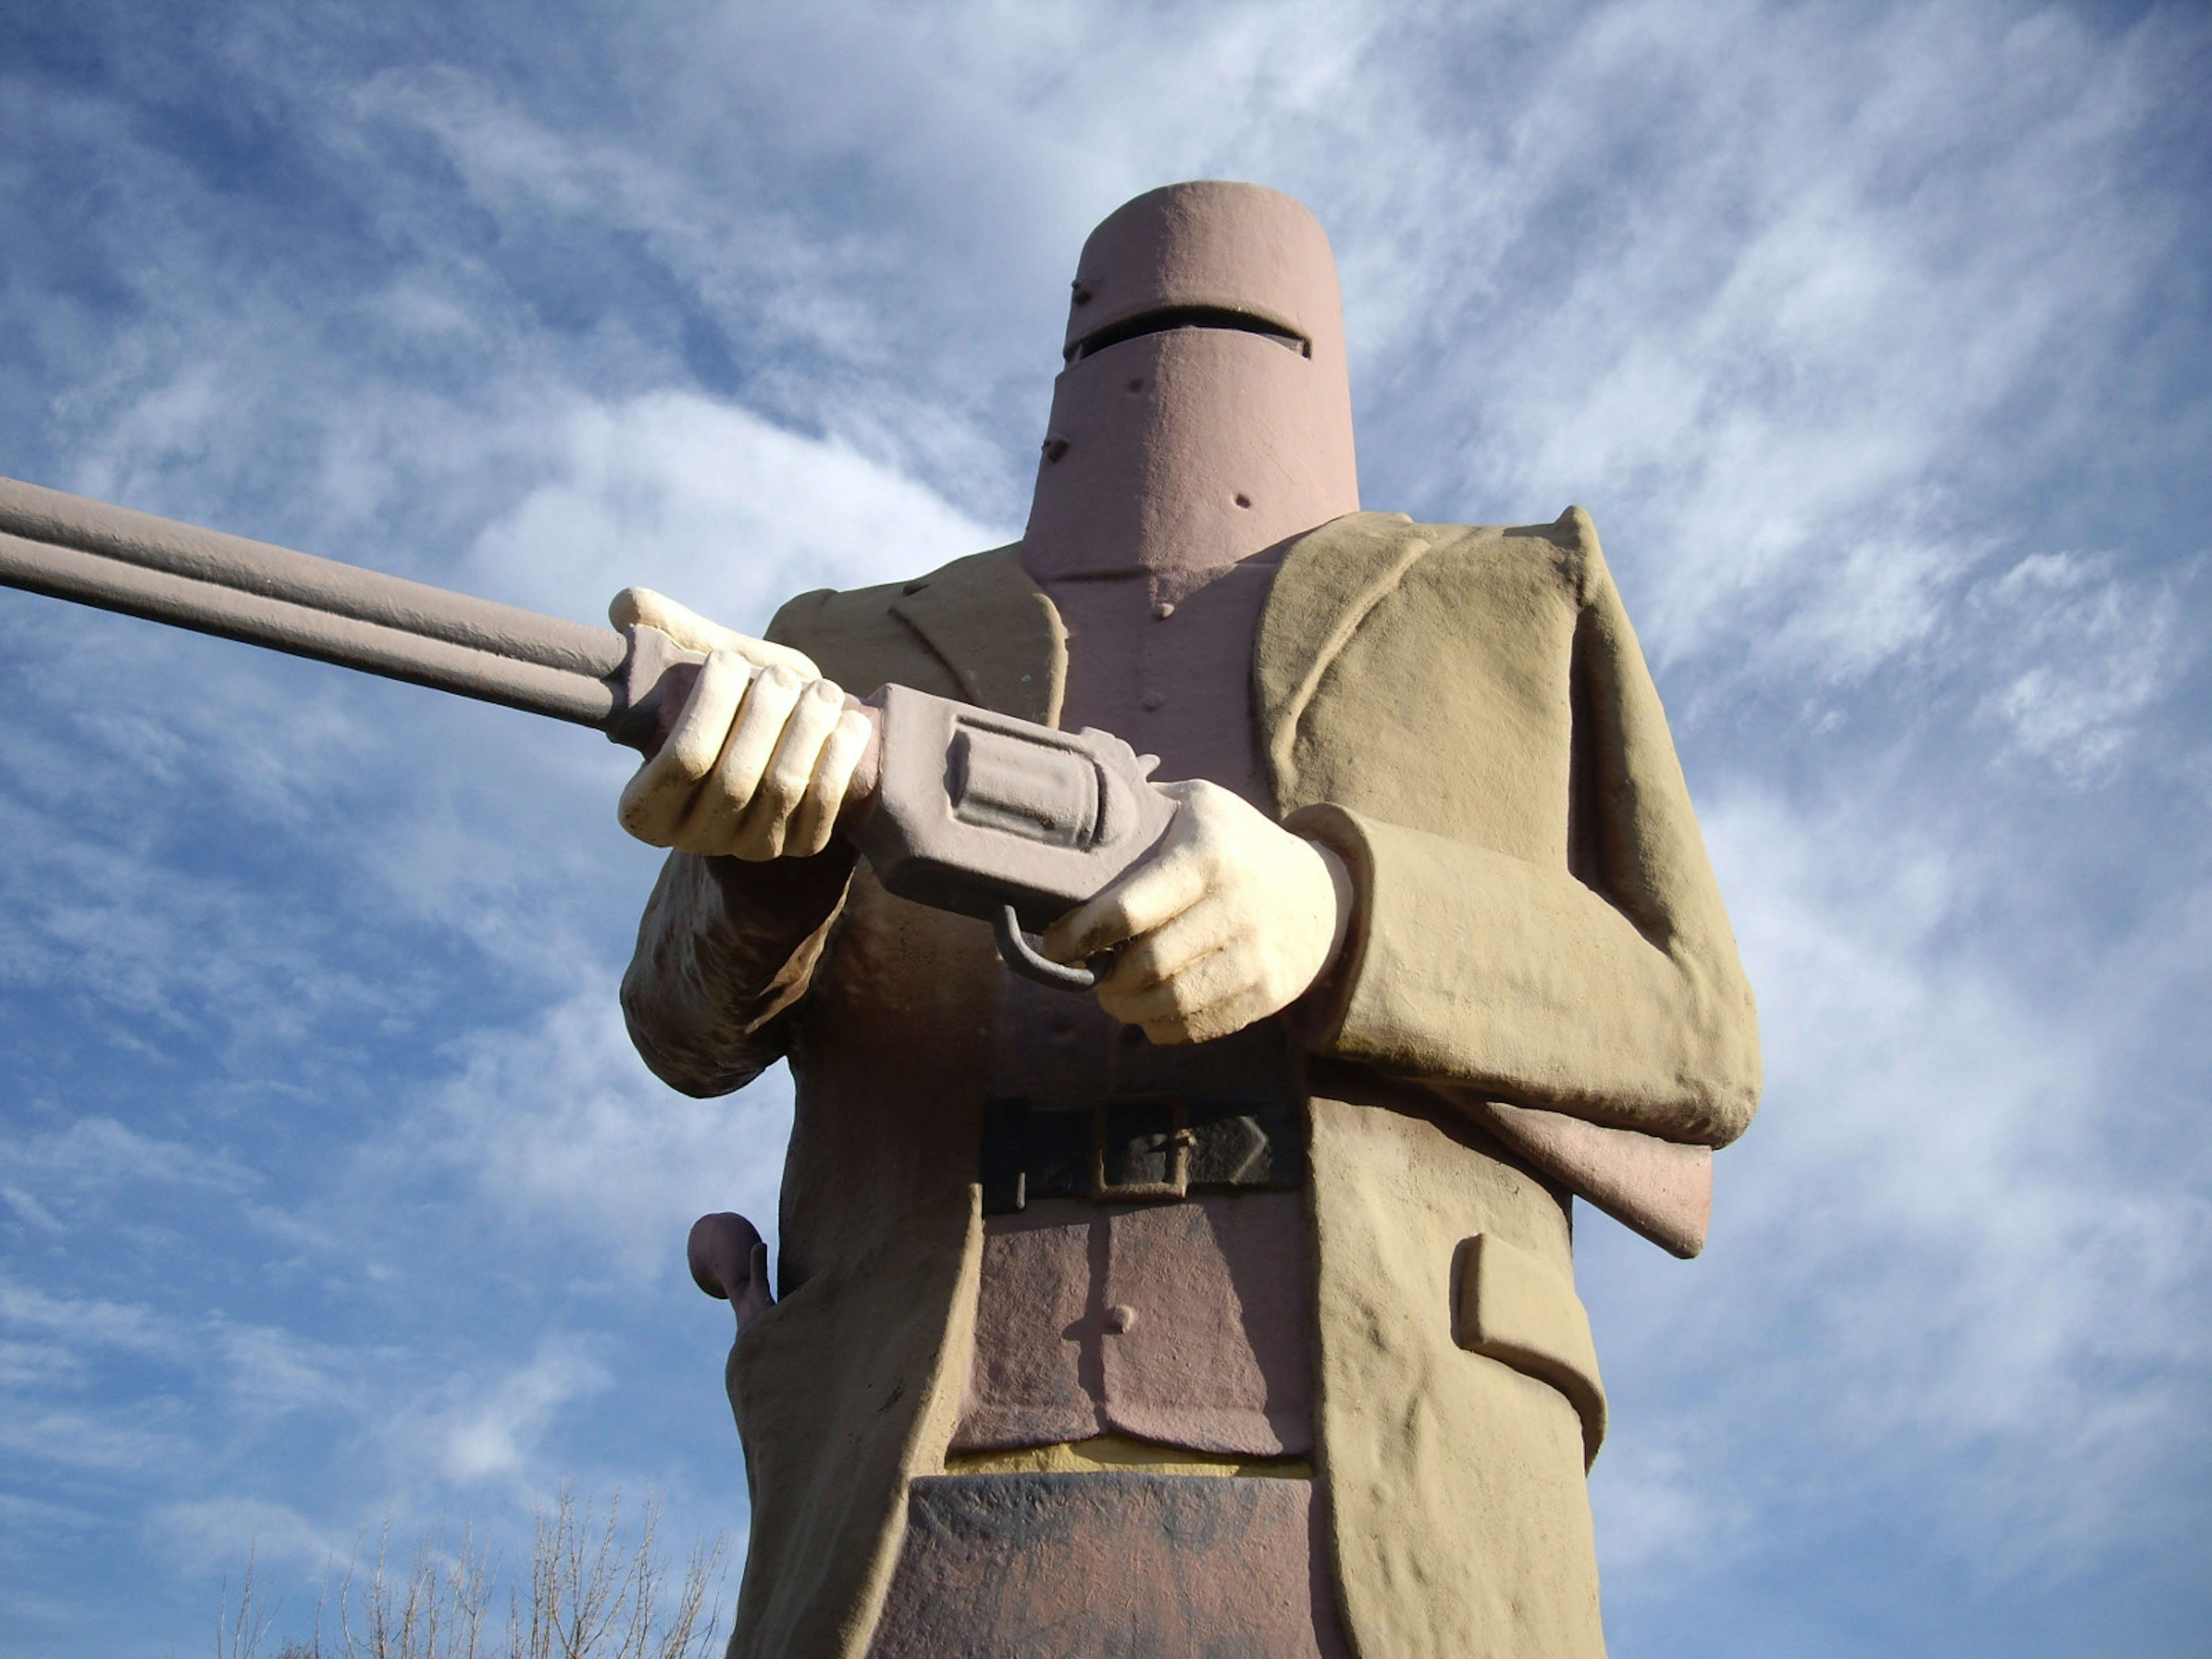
(1185, 1324)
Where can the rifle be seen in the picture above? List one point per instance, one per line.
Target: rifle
(954, 806)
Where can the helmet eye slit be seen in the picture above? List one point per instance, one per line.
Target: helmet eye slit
(1175, 316)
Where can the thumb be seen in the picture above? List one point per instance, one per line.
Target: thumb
(642, 607)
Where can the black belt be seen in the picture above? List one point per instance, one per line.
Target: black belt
(1128, 1147)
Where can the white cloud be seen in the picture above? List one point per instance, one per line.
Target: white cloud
(558, 1126)
(91, 1441)
(219, 1537)
(491, 1430)
(96, 1152)
(2089, 652)
(272, 1372)
(88, 1321)
(716, 505)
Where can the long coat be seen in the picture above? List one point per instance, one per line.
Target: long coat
(1464, 714)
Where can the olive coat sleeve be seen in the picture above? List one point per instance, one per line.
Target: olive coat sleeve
(724, 951)
(727, 948)
(1539, 927)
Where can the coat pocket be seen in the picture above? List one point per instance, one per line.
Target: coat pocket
(1513, 1307)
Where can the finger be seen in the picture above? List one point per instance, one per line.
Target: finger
(816, 819)
(696, 742)
(761, 827)
(754, 1299)
(1149, 959)
(712, 825)
(642, 607)
(1182, 1001)
(661, 793)
(1219, 1019)
(1160, 889)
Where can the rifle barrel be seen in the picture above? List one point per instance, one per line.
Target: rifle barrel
(70, 548)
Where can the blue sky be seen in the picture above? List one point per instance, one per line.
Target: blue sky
(1874, 337)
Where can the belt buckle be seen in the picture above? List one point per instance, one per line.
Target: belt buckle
(1122, 1123)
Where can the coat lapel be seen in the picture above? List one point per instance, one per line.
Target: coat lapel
(1329, 581)
(995, 630)
(1002, 640)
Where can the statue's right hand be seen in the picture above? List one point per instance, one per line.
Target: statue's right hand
(757, 763)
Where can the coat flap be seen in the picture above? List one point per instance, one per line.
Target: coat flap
(1513, 1307)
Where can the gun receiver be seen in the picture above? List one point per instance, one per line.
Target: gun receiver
(956, 807)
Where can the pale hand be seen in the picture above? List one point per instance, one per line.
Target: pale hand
(757, 763)
(1232, 920)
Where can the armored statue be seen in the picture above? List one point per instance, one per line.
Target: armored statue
(1227, 1307)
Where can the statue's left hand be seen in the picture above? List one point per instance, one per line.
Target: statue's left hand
(642, 606)
(1233, 919)
(730, 1263)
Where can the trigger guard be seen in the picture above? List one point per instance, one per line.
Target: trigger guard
(1026, 960)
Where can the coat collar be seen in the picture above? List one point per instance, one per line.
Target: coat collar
(998, 633)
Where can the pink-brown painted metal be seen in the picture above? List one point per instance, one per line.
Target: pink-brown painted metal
(1182, 437)
(1180, 1324)
(1203, 419)
(1111, 1566)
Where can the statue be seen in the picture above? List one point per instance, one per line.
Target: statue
(1232, 1311)
(1228, 1308)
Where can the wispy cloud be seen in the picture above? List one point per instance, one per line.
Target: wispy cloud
(2092, 652)
(217, 1537)
(98, 1151)
(492, 1432)
(707, 500)
(1939, 1249)
(553, 1126)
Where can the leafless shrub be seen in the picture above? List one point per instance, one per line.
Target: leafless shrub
(589, 1599)
(590, 1594)
(239, 1631)
(435, 1611)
